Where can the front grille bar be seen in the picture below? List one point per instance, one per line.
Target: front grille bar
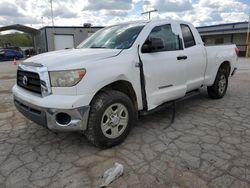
(33, 81)
(37, 76)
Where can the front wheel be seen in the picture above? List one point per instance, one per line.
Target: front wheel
(111, 117)
(219, 88)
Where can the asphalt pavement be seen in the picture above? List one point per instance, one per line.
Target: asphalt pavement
(208, 145)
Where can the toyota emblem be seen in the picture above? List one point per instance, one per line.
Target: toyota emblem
(25, 80)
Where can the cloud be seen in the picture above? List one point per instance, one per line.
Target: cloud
(60, 11)
(169, 5)
(118, 13)
(10, 14)
(233, 17)
(107, 12)
(217, 11)
(94, 5)
(26, 20)
(209, 12)
(114, 8)
(9, 9)
(225, 5)
(22, 4)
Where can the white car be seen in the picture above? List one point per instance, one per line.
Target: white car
(119, 72)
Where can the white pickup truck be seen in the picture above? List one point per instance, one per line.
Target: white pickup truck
(123, 70)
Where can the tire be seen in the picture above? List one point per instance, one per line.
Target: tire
(219, 88)
(110, 119)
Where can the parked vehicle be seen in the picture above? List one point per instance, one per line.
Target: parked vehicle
(9, 54)
(118, 73)
(14, 48)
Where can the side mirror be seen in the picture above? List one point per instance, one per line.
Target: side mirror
(152, 45)
(145, 48)
(2, 52)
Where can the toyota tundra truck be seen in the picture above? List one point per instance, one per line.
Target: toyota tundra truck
(120, 72)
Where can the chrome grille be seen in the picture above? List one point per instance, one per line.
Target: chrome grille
(29, 80)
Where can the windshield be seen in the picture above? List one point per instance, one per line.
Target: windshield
(114, 37)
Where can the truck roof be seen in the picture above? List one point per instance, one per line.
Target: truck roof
(153, 21)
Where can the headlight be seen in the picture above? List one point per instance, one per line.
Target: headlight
(66, 78)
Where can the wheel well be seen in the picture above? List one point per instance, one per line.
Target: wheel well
(124, 87)
(226, 66)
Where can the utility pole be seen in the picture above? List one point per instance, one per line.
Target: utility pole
(42, 20)
(52, 16)
(149, 13)
(247, 40)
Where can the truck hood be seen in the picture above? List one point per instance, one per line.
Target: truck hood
(65, 59)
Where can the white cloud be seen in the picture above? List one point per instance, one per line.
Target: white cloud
(215, 11)
(107, 12)
(208, 12)
(61, 12)
(171, 5)
(224, 5)
(234, 17)
(119, 13)
(94, 5)
(9, 9)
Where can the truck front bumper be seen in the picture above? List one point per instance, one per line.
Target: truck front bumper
(55, 119)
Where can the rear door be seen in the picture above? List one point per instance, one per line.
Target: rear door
(196, 58)
(165, 72)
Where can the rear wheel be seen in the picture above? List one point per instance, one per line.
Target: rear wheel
(111, 117)
(219, 88)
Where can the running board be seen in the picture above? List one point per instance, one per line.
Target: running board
(170, 103)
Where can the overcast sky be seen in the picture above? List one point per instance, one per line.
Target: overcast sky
(36, 13)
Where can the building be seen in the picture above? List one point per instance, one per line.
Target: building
(54, 38)
(231, 33)
(61, 37)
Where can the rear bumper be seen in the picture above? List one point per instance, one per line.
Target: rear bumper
(47, 117)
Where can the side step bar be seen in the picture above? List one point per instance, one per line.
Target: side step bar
(170, 103)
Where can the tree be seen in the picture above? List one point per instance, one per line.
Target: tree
(16, 39)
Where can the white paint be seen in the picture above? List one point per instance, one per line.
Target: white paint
(105, 66)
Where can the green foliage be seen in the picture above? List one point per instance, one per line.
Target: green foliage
(16, 39)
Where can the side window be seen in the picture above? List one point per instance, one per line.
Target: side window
(187, 36)
(171, 41)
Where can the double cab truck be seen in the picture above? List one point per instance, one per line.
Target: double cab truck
(120, 72)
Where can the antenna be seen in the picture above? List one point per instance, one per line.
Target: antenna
(149, 13)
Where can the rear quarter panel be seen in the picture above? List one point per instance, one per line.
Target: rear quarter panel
(216, 55)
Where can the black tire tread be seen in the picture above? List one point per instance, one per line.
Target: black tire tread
(213, 90)
(96, 105)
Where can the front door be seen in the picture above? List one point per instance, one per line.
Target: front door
(165, 68)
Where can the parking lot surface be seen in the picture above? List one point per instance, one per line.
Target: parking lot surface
(208, 145)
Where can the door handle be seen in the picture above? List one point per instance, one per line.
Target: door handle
(182, 57)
